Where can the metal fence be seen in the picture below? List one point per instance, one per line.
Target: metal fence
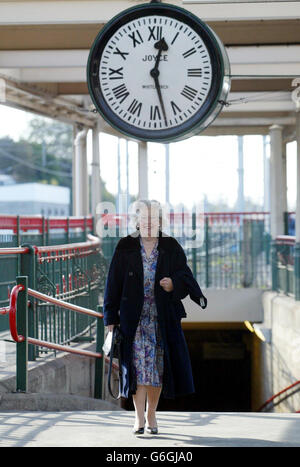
(18, 311)
(73, 272)
(235, 251)
(283, 265)
(224, 250)
(38, 231)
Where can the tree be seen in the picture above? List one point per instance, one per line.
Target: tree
(56, 136)
(25, 163)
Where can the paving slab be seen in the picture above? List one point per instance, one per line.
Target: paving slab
(176, 429)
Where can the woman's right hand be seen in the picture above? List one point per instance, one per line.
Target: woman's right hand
(110, 327)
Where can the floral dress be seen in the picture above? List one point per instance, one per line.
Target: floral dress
(147, 344)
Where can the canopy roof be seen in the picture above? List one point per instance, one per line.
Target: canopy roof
(44, 47)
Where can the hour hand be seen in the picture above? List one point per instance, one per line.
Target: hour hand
(161, 45)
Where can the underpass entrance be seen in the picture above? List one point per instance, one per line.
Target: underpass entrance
(221, 363)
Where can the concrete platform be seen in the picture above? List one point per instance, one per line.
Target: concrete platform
(176, 429)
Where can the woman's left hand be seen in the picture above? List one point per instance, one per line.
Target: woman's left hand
(167, 284)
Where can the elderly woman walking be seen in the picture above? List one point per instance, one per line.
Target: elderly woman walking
(148, 276)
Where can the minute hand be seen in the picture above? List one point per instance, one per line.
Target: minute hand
(161, 45)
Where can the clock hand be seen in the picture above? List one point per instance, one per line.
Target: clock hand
(161, 46)
(157, 86)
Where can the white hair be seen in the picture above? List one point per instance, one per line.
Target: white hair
(139, 205)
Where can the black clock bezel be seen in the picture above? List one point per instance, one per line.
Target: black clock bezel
(193, 124)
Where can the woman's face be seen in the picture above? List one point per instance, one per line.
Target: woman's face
(149, 222)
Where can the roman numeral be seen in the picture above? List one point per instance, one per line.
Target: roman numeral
(175, 108)
(134, 107)
(121, 92)
(155, 113)
(175, 38)
(189, 52)
(135, 40)
(195, 72)
(123, 54)
(155, 33)
(189, 93)
(118, 73)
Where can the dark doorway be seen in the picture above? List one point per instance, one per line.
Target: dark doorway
(221, 363)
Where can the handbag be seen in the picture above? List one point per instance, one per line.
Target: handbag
(112, 348)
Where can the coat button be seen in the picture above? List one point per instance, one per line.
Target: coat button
(130, 273)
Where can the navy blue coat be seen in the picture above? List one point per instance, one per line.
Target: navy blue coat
(123, 303)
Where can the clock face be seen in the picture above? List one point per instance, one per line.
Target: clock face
(184, 79)
(155, 74)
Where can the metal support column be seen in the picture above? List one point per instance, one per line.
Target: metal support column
(277, 184)
(297, 244)
(167, 146)
(277, 195)
(96, 182)
(143, 170)
(80, 176)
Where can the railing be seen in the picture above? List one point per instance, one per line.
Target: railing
(18, 312)
(234, 252)
(74, 272)
(16, 231)
(49, 231)
(224, 249)
(9, 268)
(283, 264)
(296, 384)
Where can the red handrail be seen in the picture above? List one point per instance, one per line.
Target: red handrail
(64, 348)
(19, 338)
(92, 242)
(4, 311)
(278, 394)
(63, 304)
(44, 224)
(12, 313)
(14, 251)
(286, 239)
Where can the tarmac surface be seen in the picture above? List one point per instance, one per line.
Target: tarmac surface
(176, 429)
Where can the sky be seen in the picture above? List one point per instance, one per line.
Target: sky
(200, 167)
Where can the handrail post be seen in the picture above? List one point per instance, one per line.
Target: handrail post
(22, 347)
(99, 363)
(28, 269)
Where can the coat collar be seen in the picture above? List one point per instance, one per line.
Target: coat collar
(131, 244)
(132, 241)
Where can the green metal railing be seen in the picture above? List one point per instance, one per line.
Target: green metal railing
(19, 313)
(230, 249)
(235, 251)
(73, 272)
(284, 273)
(37, 231)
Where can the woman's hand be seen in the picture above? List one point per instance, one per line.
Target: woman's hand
(167, 284)
(110, 327)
